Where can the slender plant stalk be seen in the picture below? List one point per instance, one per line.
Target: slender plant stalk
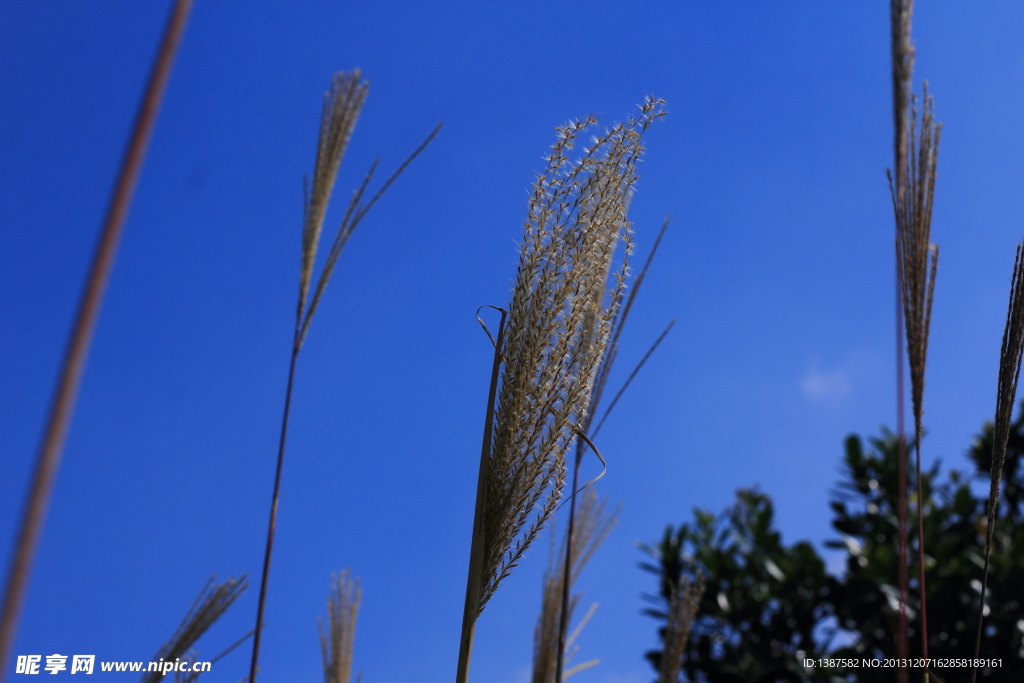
(593, 526)
(559, 325)
(1010, 357)
(917, 258)
(604, 370)
(66, 391)
(272, 525)
(341, 108)
(901, 12)
(902, 481)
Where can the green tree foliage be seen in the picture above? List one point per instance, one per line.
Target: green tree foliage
(768, 606)
(763, 602)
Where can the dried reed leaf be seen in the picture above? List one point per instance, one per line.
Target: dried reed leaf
(611, 352)
(632, 375)
(337, 640)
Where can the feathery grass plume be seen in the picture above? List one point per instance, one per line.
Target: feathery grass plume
(594, 524)
(546, 355)
(682, 613)
(916, 259)
(213, 600)
(1010, 357)
(603, 372)
(336, 641)
(341, 108)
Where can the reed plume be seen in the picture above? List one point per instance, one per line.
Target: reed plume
(213, 600)
(594, 524)
(597, 392)
(916, 259)
(916, 255)
(549, 345)
(682, 613)
(336, 641)
(1010, 356)
(916, 157)
(342, 105)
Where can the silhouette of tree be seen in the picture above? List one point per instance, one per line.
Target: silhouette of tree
(768, 606)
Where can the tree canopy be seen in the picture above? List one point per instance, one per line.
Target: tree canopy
(769, 606)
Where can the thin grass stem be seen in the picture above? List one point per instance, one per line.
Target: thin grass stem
(272, 522)
(901, 12)
(66, 391)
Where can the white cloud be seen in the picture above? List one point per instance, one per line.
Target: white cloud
(827, 386)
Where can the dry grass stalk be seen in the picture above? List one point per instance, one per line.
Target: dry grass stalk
(594, 524)
(912, 192)
(213, 600)
(336, 641)
(917, 259)
(559, 324)
(901, 12)
(601, 380)
(682, 613)
(1010, 357)
(51, 446)
(341, 108)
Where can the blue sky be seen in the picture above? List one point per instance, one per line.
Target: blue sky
(778, 269)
